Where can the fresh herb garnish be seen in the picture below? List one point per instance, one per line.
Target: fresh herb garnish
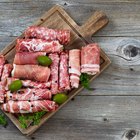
(30, 118)
(3, 120)
(84, 79)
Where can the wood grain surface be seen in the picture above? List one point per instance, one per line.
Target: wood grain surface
(111, 111)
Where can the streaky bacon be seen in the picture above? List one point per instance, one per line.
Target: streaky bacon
(2, 62)
(48, 34)
(74, 67)
(2, 92)
(64, 81)
(90, 59)
(28, 83)
(38, 45)
(54, 72)
(31, 72)
(29, 106)
(23, 58)
(29, 94)
(6, 72)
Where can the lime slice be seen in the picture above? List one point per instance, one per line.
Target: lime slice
(60, 98)
(15, 85)
(44, 60)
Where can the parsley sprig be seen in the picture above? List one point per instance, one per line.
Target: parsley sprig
(34, 118)
(3, 120)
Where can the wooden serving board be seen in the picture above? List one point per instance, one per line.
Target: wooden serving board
(57, 18)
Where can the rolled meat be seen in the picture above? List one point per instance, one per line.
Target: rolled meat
(90, 59)
(54, 72)
(23, 58)
(48, 34)
(38, 45)
(29, 94)
(64, 81)
(6, 72)
(2, 62)
(74, 67)
(2, 92)
(31, 72)
(29, 106)
(28, 83)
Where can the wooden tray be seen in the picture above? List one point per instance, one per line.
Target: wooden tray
(57, 18)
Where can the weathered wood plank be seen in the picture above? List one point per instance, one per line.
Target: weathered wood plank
(98, 118)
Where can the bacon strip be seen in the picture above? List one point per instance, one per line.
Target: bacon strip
(35, 45)
(2, 62)
(29, 106)
(74, 67)
(2, 92)
(28, 83)
(54, 73)
(64, 82)
(31, 72)
(29, 94)
(90, 59)
(22, 58)
(48, 34)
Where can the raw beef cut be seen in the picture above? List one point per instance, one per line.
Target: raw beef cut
(23, 58)
(74, 67)
(29, 94)
(31, 72)
(54, 72)
(64, 82)
(90, 59)
(29, 106)
(48, 34)
(38, 45)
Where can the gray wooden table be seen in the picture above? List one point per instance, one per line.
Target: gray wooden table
(112, 110)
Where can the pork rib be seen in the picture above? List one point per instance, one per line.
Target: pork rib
(29, 94)
(90, 59)
(2, 92)
(2, 62)
(48, 34)
(64, 82)
(74, 67)
(31, 72)
(54, 72)
(38, 45)
(23, 58)
(29, 106)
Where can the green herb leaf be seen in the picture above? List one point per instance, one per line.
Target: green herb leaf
(25, 119)
(84, 79)
(3, 120)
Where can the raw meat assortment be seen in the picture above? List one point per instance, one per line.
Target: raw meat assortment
(23, 58)
(90, 59)
(28, 106)
(74, 67)
(31, 72)
(29, 94)
(48, 34)
(2, 62)
(2, 92)
(28, 83)
(54, 73)
(64, 82)
(35, 45)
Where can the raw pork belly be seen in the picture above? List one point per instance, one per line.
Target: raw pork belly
(35, 45)
(28, 83)
(90, 59)
(31, 72)
(2, 92)
(2, 62)
(22, 58)
(6, 72)
(29, 94)
(29, 106)
(74, 67)
(64, 82)
(48, 34)
(54, 72)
